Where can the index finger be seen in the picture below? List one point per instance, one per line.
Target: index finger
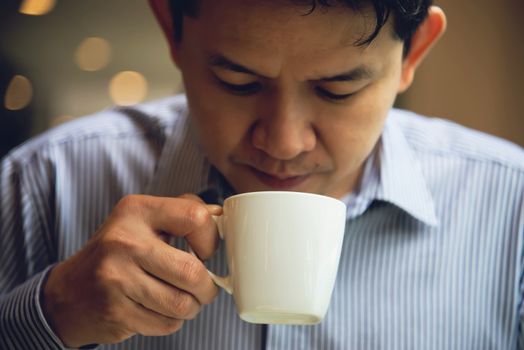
(184, 217)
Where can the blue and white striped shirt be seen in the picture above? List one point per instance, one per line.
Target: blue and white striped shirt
(432, 256)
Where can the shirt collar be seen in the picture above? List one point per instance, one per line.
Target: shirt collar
(393, 174)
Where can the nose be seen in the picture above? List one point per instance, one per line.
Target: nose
(283, 129)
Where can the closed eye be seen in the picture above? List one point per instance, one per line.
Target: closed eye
(241, 89)
(331, 96)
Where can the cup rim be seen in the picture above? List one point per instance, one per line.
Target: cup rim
(284, 193)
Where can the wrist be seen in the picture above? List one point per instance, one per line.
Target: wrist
(54, 304)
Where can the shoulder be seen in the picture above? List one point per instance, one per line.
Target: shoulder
(469, 174)
(152, 120)
(435, 137)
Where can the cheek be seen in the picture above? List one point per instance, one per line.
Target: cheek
(220, 129)
(354, 130)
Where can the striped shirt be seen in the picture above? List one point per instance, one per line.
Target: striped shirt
(432, 255)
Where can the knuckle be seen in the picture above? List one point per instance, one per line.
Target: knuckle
(191, 271)
(131, 204)
(171, 325)
(109, 280)
(183, 306)
(120, 240)
(116, 237)
(197, 214)
(129, 201)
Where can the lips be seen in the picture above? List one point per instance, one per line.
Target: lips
(279, 182)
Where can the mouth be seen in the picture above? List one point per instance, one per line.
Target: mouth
(279, 182)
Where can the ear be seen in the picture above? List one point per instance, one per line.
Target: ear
(423, 40)
(162, 13)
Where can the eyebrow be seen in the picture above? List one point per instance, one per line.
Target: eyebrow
(220, 61)
(359, 73)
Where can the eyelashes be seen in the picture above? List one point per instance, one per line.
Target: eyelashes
(254, 87)
(331, 96)
(241, 89)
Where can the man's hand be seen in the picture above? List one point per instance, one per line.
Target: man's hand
(127, 280)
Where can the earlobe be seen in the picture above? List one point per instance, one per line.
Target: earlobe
(423, 40)
(162, 13)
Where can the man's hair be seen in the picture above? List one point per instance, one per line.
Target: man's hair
(407, 15)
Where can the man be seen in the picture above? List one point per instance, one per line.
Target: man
(281, 95)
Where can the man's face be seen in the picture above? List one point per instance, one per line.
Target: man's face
(286, 101)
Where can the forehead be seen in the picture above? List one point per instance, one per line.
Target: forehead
(285, 21)
(278, 33)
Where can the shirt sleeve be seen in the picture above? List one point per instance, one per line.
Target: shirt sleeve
(27, 254)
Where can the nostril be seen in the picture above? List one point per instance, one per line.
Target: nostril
(283, 145)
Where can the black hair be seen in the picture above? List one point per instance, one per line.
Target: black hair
(407, 15)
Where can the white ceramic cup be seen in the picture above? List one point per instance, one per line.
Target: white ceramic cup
(283, 251)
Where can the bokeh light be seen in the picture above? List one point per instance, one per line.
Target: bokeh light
(18, 94)
(36, 7)
(127, 88)
(93, 54)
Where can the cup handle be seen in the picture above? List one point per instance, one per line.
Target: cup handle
(222, 281)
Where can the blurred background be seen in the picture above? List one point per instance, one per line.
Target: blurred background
(61, 59)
